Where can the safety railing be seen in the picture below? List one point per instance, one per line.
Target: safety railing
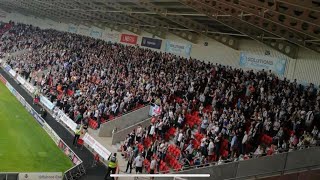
(256, 167)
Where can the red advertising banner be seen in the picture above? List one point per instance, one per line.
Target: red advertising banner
(128, 38)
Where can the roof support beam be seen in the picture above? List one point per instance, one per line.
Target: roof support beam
(91, 17)
(122, 18)
(265, 25)
(163, 27)
(160, 31)
(278, 24)
(301, 14)
(311, 5)
(244, 28)
(272, 14)
(65, 17)
(191, 24)
(108, 24)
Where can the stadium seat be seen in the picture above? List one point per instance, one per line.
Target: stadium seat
(93, 124)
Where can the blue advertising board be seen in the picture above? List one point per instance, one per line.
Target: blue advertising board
(72, 29)
(276, 65)
(95, 33)
(178, 48)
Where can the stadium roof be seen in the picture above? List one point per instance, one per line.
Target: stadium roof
(283, 25)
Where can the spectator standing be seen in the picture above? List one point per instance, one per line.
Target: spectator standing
(77, 134)
(139, 133)
(112, 165)
(153, 165)
(130, 160)
(138, 163)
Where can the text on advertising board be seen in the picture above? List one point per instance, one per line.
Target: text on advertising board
(151, 42)
(128, 38)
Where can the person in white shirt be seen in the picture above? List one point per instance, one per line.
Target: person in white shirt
(189, 151)
(220, 161)
(315, 131)
(180, 137)
(309, 118)
(211, 148)
(162, 150)
(138, 163)
(244, 142)
(171, 116)
(139, 133)
(153, 165)
(258, 152)
(180, 121)
(130, 159)
(152, 130)
(159, 127)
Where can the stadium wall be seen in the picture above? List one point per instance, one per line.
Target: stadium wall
(304, 68)
(256, 168)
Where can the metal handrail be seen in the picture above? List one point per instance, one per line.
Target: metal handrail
(229, 161)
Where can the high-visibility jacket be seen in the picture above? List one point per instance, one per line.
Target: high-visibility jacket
(78, 132)
(112, 164)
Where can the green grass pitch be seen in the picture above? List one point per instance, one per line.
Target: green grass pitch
(24, 145)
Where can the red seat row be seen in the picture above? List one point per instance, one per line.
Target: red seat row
(196, 144)
(173, 163)
(163, 167)
(146, 164)
(171, 131)
(140, 147)
(265, 139)
(173, 150)
(198, 136)
(193, 119)
(147, 142)
(93, 124)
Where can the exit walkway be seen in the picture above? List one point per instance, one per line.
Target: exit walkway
(107, 143)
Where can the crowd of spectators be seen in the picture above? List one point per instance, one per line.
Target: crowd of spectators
(209, 112)
(85, 77)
